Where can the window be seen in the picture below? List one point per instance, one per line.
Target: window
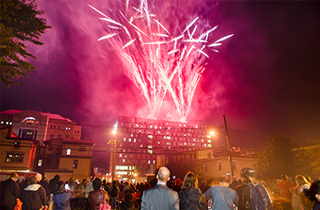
(234, 164)
(51, 136)
(83, 149)
(16, 145)
(75, 163)
(14, 157)
(59, 136)
(219, 166)
(205, 167)
(68, 151)
(40, 162)
(67, 136)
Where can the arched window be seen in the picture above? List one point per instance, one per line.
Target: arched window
(30, 121)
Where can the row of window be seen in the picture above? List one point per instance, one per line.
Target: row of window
(7, 122)
(134, 161)
(59, 127)
(162, 132)
(58, 136)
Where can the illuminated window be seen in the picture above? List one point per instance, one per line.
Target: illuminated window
(7, 123)
(2, 122)
(148, 161)
(10, 123)
(131, 135)
(184, 125)
(151, 126)
(159, 127)
(129, 139)
(29, 121)
(168, 128)
(137, 125)
(40, 162)
(134, 140)
(158, 132)
(124, 139)
(196, 126)
(123, 160)
(164, 137)
(155, 127)
(154, 162)
(205, 145)
(185, 143)
(140, 145)
(120, 155)
(14, 157)
(209, 141)
(209, 145)
(150, 152)
(75, 163)
(68, 151)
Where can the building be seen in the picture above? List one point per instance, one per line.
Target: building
(67, 157)
(17, 154)
(44, 142)
(143, 144)
(39, 126)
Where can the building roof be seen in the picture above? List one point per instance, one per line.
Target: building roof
(48, 114)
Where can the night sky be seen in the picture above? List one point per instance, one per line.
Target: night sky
(265, 79)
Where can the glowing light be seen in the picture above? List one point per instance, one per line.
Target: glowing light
(157, 60)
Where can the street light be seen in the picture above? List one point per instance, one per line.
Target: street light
(114, 142)
(212, 133)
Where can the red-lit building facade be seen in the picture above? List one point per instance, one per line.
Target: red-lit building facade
(145, 144)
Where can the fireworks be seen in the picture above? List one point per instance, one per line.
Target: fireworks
(157, 60)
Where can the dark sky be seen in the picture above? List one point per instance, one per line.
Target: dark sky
(265, 79)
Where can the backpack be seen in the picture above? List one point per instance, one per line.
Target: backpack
(260, 197)
(114, 192)
(254, 197)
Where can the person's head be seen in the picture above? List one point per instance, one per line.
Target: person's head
(284, 177)
(38, 177)
(247, 173)
(59, 188)
(301, 180)
(190, 181)
(114, 183)
(84, 181)
(32, 180)
(96, 184)
(178, 182)
(104, 181)
(163, 174)
(314, 192)
(14, 176)
(56, 177)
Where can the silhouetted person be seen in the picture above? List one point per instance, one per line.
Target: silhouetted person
(9, 192)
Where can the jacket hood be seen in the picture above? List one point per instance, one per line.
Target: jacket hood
(193, 196)
(32, 187)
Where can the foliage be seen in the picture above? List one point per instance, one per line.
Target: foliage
(19, 22)
(182, 167)
(276, 157)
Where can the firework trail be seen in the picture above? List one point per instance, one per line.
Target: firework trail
(157, 59)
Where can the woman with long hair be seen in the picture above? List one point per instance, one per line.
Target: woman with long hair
(299, 201)
(190, 196)
(61, 197)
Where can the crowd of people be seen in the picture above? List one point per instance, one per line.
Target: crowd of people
(36, 193)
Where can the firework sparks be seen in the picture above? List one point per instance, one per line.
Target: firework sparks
(157, 60)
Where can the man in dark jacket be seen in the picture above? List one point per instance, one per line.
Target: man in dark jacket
(33, 196)
(9, 192)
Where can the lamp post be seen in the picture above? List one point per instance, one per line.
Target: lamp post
(114, 155)
(228, 144)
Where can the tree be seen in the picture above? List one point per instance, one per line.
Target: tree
(276, 157)
(20, 21)
(182, 167)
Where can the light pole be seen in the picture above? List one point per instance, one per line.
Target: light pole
(114, 155)
(228, 144)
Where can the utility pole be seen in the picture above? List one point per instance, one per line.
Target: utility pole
(228, 143)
